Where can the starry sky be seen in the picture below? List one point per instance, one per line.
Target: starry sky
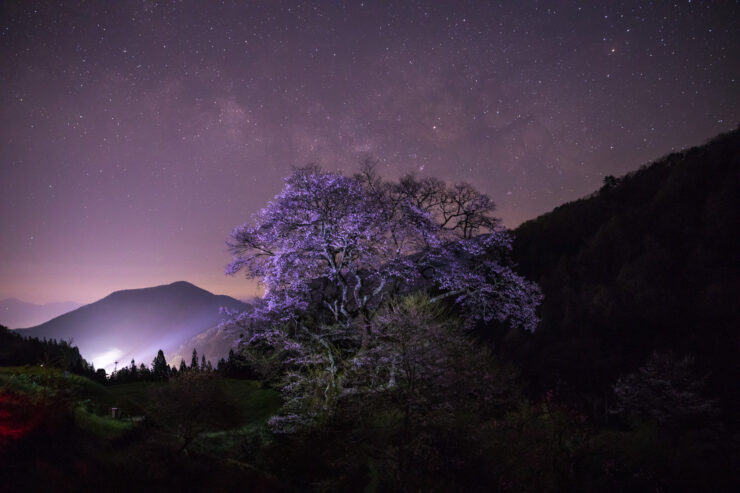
(134, 135)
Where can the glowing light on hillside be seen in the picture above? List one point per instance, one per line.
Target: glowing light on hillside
(107, 359)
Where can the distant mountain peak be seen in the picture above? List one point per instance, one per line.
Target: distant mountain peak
(183, 283)
(136, 323)
(179, 287)
(189, 286)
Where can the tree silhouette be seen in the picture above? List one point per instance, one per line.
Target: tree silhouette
(159, 367)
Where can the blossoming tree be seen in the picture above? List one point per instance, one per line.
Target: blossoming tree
(330, 250)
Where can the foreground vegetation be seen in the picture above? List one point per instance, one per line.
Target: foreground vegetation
(57, 433)
(198, 431)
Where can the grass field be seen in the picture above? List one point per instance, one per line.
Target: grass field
(92, 401)
(255, 402)
(72, 435)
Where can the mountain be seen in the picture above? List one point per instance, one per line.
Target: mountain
(650, 262)
(16, 313)
(137, 323)
(214, 343)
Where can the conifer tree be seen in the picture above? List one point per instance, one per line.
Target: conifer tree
(134, 370)
(159, 367)
(194, 360)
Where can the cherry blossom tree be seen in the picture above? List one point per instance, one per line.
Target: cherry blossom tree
(332, 250)
(345, 244)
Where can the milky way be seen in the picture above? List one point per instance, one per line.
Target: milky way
(135, 135)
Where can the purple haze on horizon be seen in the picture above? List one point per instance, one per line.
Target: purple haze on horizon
(135, 135)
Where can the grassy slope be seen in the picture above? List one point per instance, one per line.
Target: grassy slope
(77, 445)
(256, 403)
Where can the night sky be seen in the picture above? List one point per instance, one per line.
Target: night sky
(135, 135)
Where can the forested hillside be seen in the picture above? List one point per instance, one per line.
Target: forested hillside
(651, 262)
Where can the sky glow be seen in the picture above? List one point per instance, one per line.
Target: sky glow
(135, 135)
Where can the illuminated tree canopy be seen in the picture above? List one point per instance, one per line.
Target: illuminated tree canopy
(341, 245)
(334, 251)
